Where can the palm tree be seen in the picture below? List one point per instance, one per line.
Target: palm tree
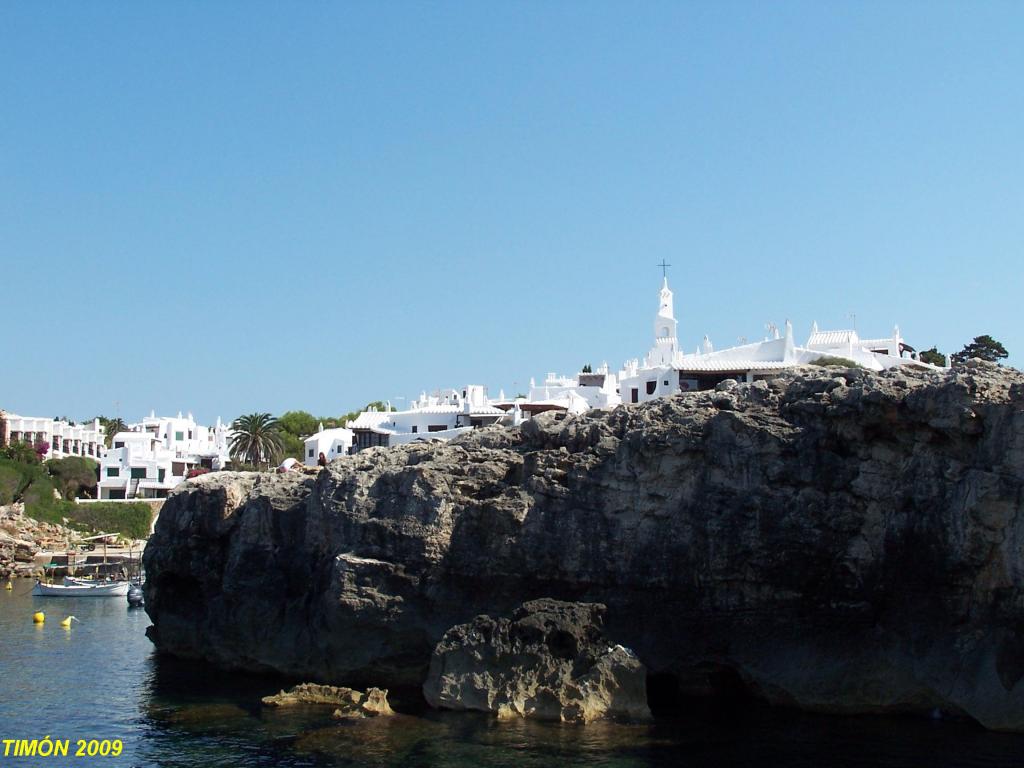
(256, 439)
(111, 427)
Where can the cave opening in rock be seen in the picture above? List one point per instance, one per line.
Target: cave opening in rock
(663, 693)
(711, 689)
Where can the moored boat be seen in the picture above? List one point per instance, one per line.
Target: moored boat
(97, 589)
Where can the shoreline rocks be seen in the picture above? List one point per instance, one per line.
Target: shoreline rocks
(23, 537)
(348, 703)
(837, 546)
(549, 661)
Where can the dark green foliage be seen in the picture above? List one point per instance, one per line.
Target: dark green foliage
(934, 357)
(298, 423)
(984, 347)
(74, 476)
(832, 360)
(587, 369)
(14, 478)
(10, 482)
(291, 445)
(23, 453)
(24, 479)
(27, 482)
(130, 519)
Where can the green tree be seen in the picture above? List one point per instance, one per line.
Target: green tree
(292, 446)
(587, 369)
(297, 423)
(256, 439)
(934, 357)
(111, 427)
(74, 476)
(984, 347)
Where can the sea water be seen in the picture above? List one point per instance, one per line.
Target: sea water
(101, 679)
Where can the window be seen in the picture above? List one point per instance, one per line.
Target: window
(437, 427)
(311, 453)
(665, 382)
(415, 429)
(138, 473)
(179, 435)
(651, 386)
(161, 474)
(119, 444)
(634, 395)
(190, 434)
(113, 472)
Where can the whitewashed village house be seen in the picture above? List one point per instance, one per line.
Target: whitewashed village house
(443, 415)
(332, 443)
(153, 456)
(63, 437)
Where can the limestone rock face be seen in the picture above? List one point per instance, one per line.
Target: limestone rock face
(550, 661)
(834, 539)
(347, 702)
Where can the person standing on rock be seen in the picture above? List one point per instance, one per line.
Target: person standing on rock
(322, 461)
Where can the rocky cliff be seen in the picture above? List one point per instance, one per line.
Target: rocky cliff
(835, 540)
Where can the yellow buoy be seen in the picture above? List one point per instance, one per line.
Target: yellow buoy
(9, 585)
(38, 617)
(66, 622)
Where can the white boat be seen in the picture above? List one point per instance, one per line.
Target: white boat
(73, 581)
(98, 589)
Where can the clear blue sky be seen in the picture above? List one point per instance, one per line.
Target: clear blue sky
(229, 207)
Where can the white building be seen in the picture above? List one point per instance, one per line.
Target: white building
(443, 415)
(575, 394)
(156, 454)
(667, 369)
(332, 443)
(63, 438)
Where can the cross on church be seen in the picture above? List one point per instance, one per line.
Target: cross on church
(664, 268)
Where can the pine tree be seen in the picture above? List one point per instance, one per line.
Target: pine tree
(984, 347)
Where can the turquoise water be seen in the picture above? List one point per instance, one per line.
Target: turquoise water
(101, 679)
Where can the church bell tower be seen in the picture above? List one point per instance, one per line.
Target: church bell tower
(665, 326)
